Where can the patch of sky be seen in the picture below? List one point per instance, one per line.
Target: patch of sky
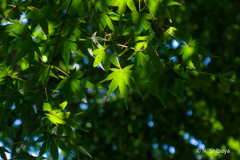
(61, 156)
(193, 141)
(174, 59)
(175, 44)
(64, 11)
(1, 144)
(171, 149)
(23, 19)
(109, 50)
(35, 108)
(201, 145)
(189, 112)
(57, 91)
(150, 116)
(163, 60)
(150, 123)
(35, 138)
(85, 61)
(13, 106)
(155, 145)
(132, 59)
(8, 155)
(39, 143)
(90, 89)
(186, 136)
(165, 147)
(33, 152)
(89, 28)
(34, 39)
(206, 61)
(17, 122)
(39, 30)
(101, 90)
(6, 23)
(198, 157)
(112, 95)
(77, 66)
(100, 66)
(83, 106)
(184, 43)
(167, 46)
(45, 155)
(164, 43)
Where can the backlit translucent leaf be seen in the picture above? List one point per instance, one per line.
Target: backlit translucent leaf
(47, 107)
(63, 105)
(3, 71)
(170, 3)
(55, 119)
(122, 78)
(105, 58)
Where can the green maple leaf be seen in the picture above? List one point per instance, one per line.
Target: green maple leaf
(101, 5)
(154, 6)
(141, 21)
(74, 84)
(76, 6)
(24, 51)
(69, 45)
(105, 20)
(160, 87)
(122, 78)
(189, 54)
(105, 58)
(39, 17)
(122, 6)
(17, 29)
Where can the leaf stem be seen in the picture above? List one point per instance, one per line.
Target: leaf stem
(60, 70)
(157, 54)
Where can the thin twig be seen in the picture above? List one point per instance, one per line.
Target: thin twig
(160, 28)
(60, 70)
(157, 54)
